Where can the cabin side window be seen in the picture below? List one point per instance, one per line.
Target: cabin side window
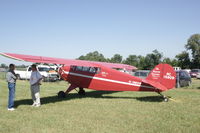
(93, 70)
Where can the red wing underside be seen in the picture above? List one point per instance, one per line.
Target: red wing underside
(50, 60)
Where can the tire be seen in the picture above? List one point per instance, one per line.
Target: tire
(166, 99)
(61, 94)
(81, 92)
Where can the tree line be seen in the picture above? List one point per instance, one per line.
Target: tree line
(188, 59)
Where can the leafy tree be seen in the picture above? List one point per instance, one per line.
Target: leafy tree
(193, 44)
(117, 58)
(172, 62)
(131, 60)
(4, 66)
(153, 59)
(141, 64)
(93, 56)
(167, 60)
(183, 60)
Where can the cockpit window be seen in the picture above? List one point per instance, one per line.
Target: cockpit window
(93, 70)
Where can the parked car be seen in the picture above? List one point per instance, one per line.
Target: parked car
(177, 68)
(198, 76)
(141, 73)
(182, 79)
(48, 73)
(187, 70)
(194, 73)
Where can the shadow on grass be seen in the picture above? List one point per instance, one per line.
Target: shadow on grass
(150, 99)
(93, 94)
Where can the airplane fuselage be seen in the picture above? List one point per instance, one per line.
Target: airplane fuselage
(102, 78)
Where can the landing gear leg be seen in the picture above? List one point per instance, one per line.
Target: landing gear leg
(165, 98)
(81, 92)
(62, 94)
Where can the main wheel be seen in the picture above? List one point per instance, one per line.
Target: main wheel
(81, 92)
(61, 94)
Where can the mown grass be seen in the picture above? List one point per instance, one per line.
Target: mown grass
(100, 111)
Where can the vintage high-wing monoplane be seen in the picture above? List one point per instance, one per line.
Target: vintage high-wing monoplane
(101, 76)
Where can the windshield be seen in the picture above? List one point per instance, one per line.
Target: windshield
(195, 70)
(43, 69)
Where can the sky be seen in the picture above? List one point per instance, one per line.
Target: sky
(71, 28)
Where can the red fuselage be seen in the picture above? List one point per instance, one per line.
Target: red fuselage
(102, 78)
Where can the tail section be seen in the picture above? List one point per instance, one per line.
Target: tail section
(162, 77)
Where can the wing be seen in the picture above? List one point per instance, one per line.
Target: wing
(50, 60)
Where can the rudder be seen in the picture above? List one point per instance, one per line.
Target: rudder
(163, 74)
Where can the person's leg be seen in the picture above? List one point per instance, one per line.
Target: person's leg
(33, 95)
(11, 96)
(37, 95)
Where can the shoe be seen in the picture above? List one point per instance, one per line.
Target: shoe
(11, 109)
(34, 104)
(37, 105)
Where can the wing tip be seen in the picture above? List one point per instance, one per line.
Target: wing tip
(10, 56)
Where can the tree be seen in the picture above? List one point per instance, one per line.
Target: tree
(131, 60)
(167, 60)
(153, 59)
(117, 58)
(172, 62)
(93, 56)
(4, 66)
(141, 63)
(193, 44)
(183, 60)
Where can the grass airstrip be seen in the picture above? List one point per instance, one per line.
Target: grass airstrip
(100, 111)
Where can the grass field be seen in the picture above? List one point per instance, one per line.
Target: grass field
(100, 112)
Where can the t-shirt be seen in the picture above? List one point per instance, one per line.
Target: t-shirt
(35, 76)
(11, 77)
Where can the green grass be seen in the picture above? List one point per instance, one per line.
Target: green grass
(100, 111)
(2, 75)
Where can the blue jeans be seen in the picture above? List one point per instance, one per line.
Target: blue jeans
(11, 97)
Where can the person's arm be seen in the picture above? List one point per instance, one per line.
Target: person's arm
(14, 76)
(8, 76)
(39, 76)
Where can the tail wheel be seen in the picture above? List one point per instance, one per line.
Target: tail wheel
(166, 99)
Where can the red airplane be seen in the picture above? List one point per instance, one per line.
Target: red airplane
(100, 75)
